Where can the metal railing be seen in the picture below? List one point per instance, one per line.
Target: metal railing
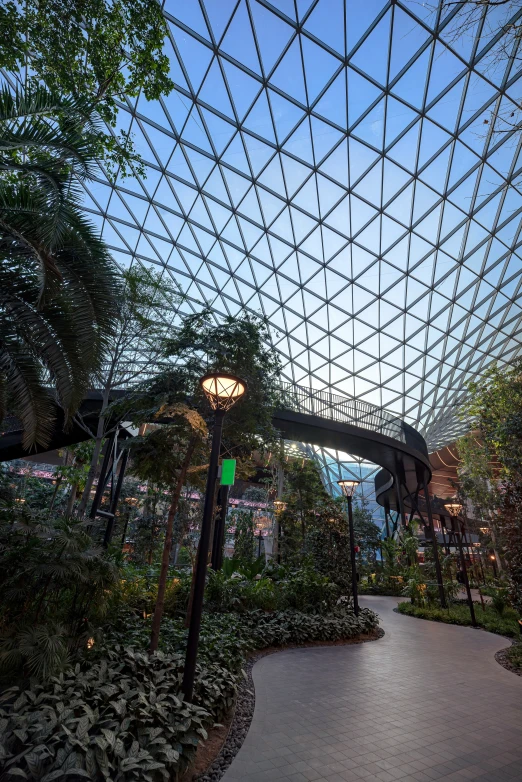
(342, 409)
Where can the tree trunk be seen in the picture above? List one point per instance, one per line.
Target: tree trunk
(100, 434)
(72, 499)
(55, 493)
(198, 553)
(167, 546)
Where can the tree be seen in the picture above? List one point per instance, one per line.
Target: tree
(242, 520)
(492, 474)
(200, 344)
(58, 284)
(142, 321)
(499, 26)
(242, 346)
(367, 534)
(165, 456)
(97, 50)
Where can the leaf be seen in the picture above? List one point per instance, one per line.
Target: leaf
(83, 727)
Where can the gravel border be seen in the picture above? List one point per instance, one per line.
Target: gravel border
(245, 705)
(502, 659)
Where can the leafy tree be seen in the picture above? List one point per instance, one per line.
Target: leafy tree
(303, 494)
(243, 521)
(147, 528)
(165, 456)
(97, 50)
(142, 322)
(240, 346)
(58, 284)
(492, 474)
(367, 534)
(200, 344)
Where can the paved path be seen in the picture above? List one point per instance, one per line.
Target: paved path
(426, 702)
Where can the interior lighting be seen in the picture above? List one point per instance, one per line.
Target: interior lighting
(348, 487)
(453, 507)
(222, 391)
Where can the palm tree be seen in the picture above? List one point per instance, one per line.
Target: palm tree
(58, 283)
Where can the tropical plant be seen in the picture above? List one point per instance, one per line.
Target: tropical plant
(491, 473)
(242, 520)
(58, 284)
(165, 456)
(99, 50)
(54, 585)
(120, 718)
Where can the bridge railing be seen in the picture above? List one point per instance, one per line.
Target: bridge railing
(342, 409)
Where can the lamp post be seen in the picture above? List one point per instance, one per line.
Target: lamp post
(222, 392)
(454, 508)
(348, 489)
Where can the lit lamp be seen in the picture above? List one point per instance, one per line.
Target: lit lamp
(454, 508)
(348, 488)
(222, 391)
(279, 506)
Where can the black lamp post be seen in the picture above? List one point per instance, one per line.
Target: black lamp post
(259, 537)
(454, 508)
(348, 489)
(222, 391)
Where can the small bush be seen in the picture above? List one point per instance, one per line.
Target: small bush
(459, 615)
(119, 719)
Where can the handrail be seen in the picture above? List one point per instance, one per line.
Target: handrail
(342, 409)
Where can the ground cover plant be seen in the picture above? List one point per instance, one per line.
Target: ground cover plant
(83, 698)
(458, 614)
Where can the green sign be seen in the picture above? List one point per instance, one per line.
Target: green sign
(228, 472)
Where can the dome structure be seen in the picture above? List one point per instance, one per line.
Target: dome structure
(350, 171)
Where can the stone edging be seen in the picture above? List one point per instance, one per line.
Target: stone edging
(245, 704)
(502, 659)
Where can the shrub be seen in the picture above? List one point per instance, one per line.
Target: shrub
(459, 615)
(118, 715)
(119, 719)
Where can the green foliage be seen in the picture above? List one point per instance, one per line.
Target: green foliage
(119, 718)
(459, 615)
(103, 51)
(239, 345)
(514, 655)
(53, 585)
(491, 468)
(499, 598)
(303, 590)
(118, 713)
(243, 521)
(58, 284)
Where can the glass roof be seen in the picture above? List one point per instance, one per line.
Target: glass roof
(347, 169)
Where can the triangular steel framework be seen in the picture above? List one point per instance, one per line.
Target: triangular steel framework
(349, 170)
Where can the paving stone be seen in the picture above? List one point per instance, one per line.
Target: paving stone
(426, 702)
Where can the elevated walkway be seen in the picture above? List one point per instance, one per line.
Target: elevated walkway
(315, 417)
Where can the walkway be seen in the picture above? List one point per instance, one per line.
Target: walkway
(426, 702)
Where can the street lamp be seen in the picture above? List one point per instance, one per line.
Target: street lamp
(348, 488)
(222, 391)
(454, 508)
